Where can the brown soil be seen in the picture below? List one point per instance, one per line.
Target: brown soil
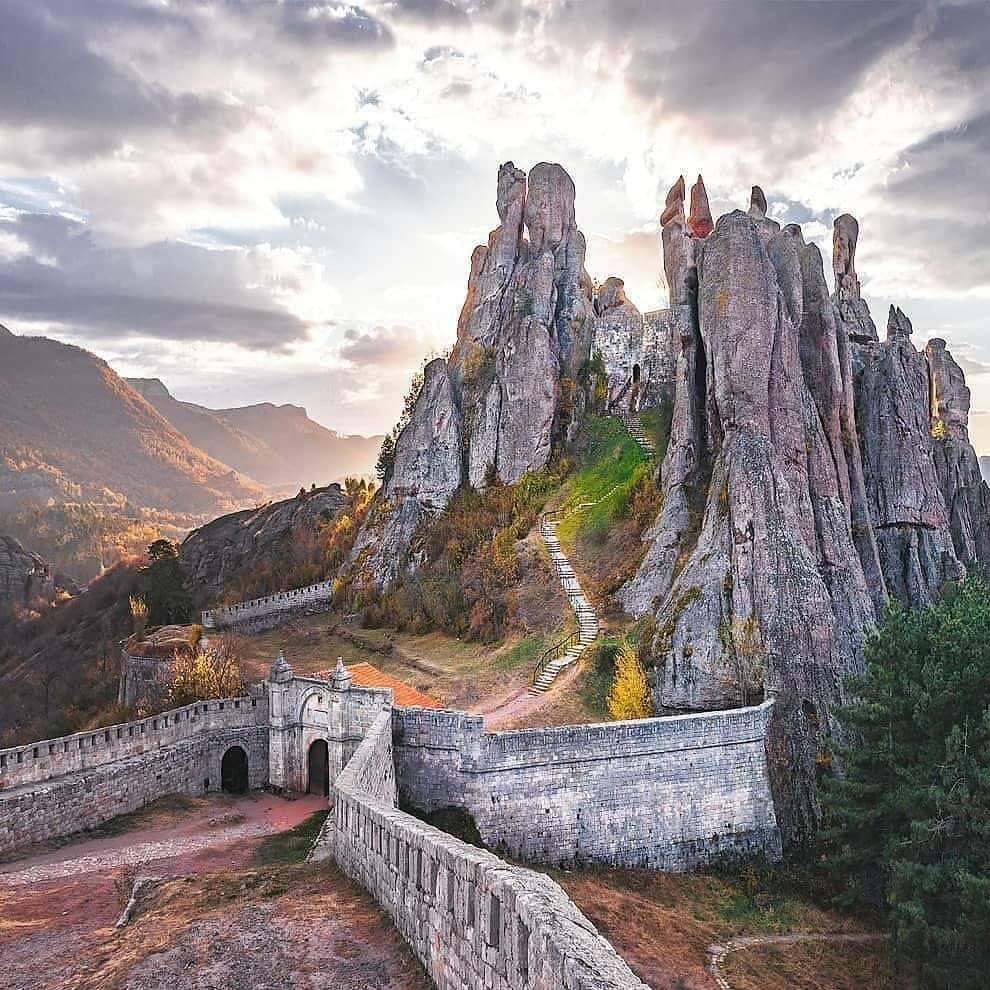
(663, 924)
(219, 923)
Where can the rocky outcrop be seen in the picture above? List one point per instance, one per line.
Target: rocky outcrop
(700, 218)
(811, 469)
(25, 578)
(224, 549)
(426, 472)
(495, 410)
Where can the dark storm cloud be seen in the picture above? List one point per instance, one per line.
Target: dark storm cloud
(738, 68)
(167, 290)
(50, 78)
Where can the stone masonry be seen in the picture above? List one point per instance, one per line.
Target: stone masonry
(664, 793)
(472, 919)
(262, 613)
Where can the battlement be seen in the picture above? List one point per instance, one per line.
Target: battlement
(471, 918)
(50, 758)
(271, 605)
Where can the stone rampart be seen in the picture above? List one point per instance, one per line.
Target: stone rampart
(471, 918)
(272, 608)
(60, 786)
(665, 793)
(144, 678)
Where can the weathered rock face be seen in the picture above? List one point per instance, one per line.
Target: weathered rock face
(25, 578)
(426, 473)
(810, 469)
(220, 551)
(493, 410)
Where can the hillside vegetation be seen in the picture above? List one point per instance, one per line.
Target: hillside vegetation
(72, 430)
(278, 446)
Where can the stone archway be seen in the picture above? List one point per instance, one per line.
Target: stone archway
(234, 771)
(636, 374)
(319, 768)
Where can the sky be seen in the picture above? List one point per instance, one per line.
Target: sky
(277, 201)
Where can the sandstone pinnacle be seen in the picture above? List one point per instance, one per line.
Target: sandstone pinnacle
(757, 203)
(700, 219)
(674, 206)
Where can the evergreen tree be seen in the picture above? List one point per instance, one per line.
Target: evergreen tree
(165, 595)
(909, 815)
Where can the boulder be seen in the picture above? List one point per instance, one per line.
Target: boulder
(26, 579)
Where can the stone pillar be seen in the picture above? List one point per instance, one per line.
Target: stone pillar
(280, 726)
(338, 730)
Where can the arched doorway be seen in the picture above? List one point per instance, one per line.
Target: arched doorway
(319, 768)
(636, 374)
(234, 771)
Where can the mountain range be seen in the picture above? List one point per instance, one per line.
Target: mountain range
(73, 431)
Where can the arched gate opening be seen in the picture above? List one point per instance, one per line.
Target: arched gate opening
(319, 768)
(234, 771)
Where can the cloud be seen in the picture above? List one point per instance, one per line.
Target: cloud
(429, 12)
(383, 347)
(172, 290)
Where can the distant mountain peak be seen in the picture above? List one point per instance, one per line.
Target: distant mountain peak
(4, 332)
(149, 387)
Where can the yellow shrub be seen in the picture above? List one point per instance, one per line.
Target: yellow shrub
(629, 696)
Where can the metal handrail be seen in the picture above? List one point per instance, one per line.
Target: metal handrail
(557, 650)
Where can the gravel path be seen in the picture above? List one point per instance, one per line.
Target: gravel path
(718, 952)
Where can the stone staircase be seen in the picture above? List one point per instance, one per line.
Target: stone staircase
(634, 426)
(567, 651)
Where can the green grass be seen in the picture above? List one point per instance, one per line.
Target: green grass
(597, 676)
(609, 459)
(293, 845)
(524, 653)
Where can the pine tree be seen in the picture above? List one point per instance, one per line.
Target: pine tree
(629, 696)
(910, 813)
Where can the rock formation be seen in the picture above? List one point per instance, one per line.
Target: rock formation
(700, 218)
(811, 469)
(493, 410)
(25, 578)
(222, 550)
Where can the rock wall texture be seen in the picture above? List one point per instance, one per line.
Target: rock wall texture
(60, 786)
(26, 578)
(471, 918)
(504, 399)
(812, 470)
(668, 793)
(218, 551)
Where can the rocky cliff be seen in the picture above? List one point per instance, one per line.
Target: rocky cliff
(217, 558)
(812, 470)
(505, 398)
(25, 578)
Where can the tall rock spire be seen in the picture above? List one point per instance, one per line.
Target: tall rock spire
(700, 218)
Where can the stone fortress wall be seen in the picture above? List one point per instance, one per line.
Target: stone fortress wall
(145, 678)
(472, 919)
(271, 608)
(664, 793)
(60, 786)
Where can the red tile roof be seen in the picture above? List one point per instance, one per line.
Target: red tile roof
(366, 675)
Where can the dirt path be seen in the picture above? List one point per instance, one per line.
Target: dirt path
(521, 703)
(222, 922)
(718, 952)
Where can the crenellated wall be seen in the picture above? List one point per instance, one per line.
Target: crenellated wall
(665, 793)
(471, 918)
(271, 607)
(60, 786)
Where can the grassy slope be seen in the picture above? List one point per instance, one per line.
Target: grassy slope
(662, 924)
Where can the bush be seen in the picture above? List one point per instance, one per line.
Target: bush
(629, 696)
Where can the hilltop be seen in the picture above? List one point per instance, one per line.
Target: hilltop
(277, 445)
(72, 430)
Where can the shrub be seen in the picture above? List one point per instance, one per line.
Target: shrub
(630, 694)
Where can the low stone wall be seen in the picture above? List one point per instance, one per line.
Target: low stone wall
(271, 608)
(472, 919)
(61, 786)
(664, 793)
